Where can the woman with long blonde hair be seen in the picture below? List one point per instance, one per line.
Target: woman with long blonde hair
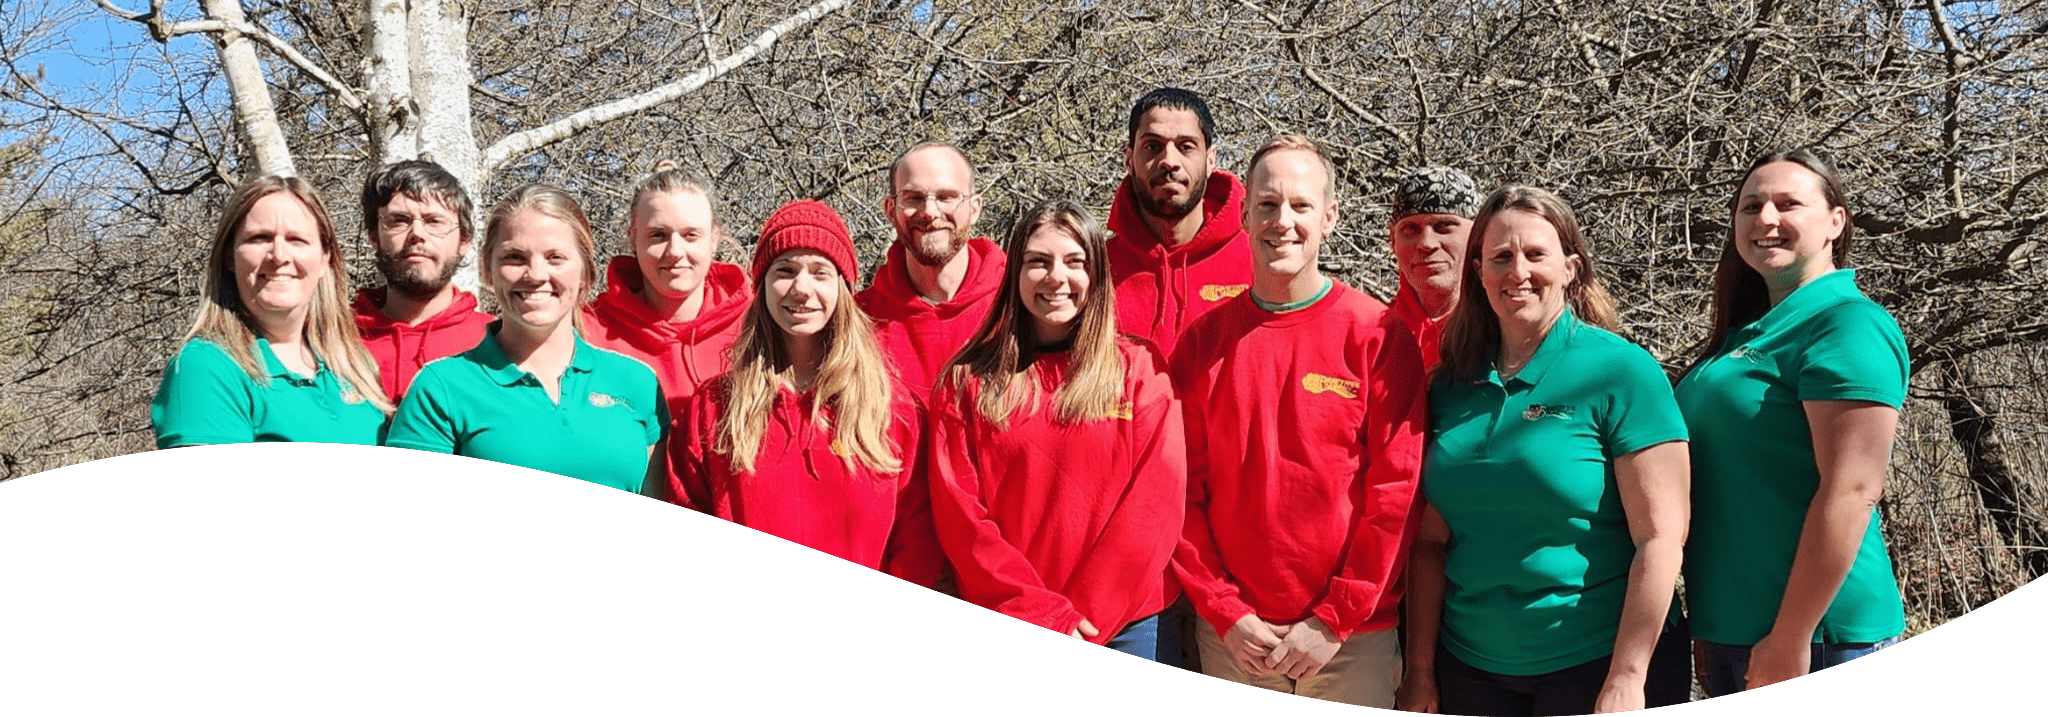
(1059, 469)
(810, 437)
(273, 353)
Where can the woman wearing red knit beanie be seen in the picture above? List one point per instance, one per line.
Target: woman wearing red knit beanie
(810, 437)
(1058, 466)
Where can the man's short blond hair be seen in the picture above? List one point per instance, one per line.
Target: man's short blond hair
(1294, 141)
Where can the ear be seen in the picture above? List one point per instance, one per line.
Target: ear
(889, 207)
(1129, 169)
(973, 209)
(1572, 269)
(1330, 217)
(1838, 222)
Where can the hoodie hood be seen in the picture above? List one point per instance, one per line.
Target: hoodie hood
(371, 318)
(892, 298)
(625, 315)
(400, 349)
(1222, 220)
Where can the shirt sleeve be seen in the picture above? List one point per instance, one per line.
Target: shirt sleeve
(913, 552)
(205, 398)
(1139, 537)
(1197, 562)
(1857, 354)
(422, 422)
(1641, 409)
(1384, 524)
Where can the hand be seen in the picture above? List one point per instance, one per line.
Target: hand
(1304, 649)
(1250, 640)
(1418, 690)
(1777, 659)
(1084, 631)
(1620, 694)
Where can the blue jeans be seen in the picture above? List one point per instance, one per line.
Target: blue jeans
(1148, 638)
(1727, 665)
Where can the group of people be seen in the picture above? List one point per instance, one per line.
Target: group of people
(1169, 433)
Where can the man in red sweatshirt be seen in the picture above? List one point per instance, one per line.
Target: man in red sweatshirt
(936, 285)
(1178, 247)
(1304, 407)
(1431, 222)
(418, 219)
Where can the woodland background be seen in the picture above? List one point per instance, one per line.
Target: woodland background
(1641, 114)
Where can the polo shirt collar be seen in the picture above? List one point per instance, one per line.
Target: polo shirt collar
(276, 368)
(1806, 300)
(491, 355)
(1547, 353)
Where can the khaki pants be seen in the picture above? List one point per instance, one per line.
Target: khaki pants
(1365, 671)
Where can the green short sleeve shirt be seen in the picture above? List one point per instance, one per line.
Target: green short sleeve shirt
(1753, 468)
(1522, 471)
(480, 404)
(206, 398)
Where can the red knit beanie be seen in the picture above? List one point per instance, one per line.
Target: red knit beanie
(806, 224)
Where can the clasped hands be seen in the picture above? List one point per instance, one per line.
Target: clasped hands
(1297, 651)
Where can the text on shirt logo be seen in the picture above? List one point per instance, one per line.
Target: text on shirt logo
(602, 400)
(1122, 410)
(1746, 353)
(839, 448)
(350, 396)
(1318, 383)
(1537, 412)
(1219, 292)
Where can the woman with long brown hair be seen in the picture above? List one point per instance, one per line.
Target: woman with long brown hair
(1059, 470)
(810, 437)
(273, 353)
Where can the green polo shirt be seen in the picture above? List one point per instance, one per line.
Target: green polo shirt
(1522, 471)
(206, 398)
(480, 404)
(1753, 468)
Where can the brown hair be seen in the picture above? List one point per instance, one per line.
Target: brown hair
(330, 329)
(1003, 351)
(1472, 334)
(1740, 295)
(550, 202)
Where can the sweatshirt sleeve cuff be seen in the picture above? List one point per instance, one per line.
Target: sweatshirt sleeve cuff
(1223, 613)
(1345, 609)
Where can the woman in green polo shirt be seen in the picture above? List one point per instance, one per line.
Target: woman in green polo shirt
(533, 393)
(1555, 490)
(1792, 405)
(273, 353)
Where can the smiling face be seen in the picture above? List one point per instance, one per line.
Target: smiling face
(1784, 227)
(1168, 162)
(1429, 249)
(934, 204)
(673, 238)
(802, 291)
(1054, 282)
(1288, 211)
(279, 259)
(537, 272)
(419, 244)
(1524, 270)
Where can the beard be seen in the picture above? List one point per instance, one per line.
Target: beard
(1198, 187)
(416, 283)
(924, 252)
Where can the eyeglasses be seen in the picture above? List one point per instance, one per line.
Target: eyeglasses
(433, 225)
(917, 201)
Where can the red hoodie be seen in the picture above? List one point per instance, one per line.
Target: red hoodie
(400, 349)
(1162, 288)
(802, 491)
(1049, 523)
(919, 337)
(1306, 436)
(1429, 333)
(683, 354)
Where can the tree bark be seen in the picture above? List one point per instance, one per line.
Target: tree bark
(1991, 476)
(254, 113)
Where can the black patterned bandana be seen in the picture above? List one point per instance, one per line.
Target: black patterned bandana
(1436, 190)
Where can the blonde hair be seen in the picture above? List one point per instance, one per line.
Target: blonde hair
(1297, 142)
(1473, 331)
(852, 394)
(330, 329)
(1003, 352)
(549, 202)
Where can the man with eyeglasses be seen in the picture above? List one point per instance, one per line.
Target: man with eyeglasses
(937, 284)
(418, 219)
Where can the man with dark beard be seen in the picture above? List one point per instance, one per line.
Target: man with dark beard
(418, 219)
(1179, 248)
(937, 284)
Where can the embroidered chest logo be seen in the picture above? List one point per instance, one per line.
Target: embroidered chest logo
(1122, 410)
(839, 448)
(603, 400)
(1748, 354)
(1538, 412)
(1318, 383)
(1219, 292)
(350, 396)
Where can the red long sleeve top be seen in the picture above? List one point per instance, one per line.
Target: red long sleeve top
(920, 337)
(803, 491)
(1052, 523)
(400, 349)
(1162, 288)
(1429, 333)
(683, 354)
(1306, 443)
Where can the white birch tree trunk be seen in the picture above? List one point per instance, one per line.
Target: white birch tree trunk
(254, 112)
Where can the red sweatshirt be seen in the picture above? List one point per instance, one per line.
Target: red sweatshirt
(1050, 524)
(400, 349)
(1429, 333)
(1306, 442)
(683, 354)
(920, 337)
(801, 491)
(1161, 288)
